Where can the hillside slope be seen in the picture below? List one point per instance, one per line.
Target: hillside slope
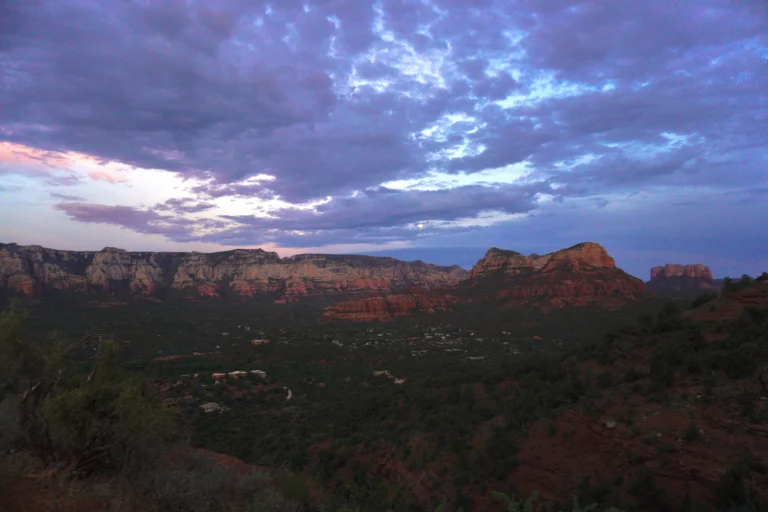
(666, 414)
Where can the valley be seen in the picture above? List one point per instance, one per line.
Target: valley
(554, 376)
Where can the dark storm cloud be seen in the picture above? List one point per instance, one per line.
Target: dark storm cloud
(251, 236)
(135, 219)
(332, 97)
(592, 40)
(379, 215)
(383, 207)
(615, 170)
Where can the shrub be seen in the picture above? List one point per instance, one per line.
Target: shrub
(272, 501)
(732, 491)
(646, 493)
(515, 505)
(294, 488)
(703, 299)
(632, 374)
(195, 483)
(740, 362)
(589, 495)
(693, 364)
(98, 421)
(692, 433)
(605, 380)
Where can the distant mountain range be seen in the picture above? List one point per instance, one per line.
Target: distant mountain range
(363, 288)
(577, 276)
(242, 273)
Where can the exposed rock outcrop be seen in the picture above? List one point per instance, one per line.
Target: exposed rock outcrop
(681, 281)
(385, 308)
(34, 270)
(668, 271)
(578, 275)
(509, 263)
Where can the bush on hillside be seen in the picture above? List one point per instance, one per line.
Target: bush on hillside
(729, 285)
(703, 299)
(197, 483)
(100, 420)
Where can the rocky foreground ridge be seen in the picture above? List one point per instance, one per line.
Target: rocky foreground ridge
(243, 273)
(580, 275)
(682, 281)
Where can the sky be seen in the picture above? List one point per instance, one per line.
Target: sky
(419, 129)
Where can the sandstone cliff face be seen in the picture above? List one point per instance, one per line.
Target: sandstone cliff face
(579, 275)
(667, 271)
(509, 263)
(385, 308)
(681, 281)
(34, 270)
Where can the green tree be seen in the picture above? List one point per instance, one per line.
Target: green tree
(91, 421)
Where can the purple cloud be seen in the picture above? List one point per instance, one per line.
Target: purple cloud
(381, 207)
(184, 205)
(135, 219)
(335, 98)
(66, 197)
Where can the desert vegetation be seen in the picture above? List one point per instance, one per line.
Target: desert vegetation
(460, 433)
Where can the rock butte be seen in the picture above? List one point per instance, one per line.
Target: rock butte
(580, 275)
(673, 270)
(34, 270)
(681, 281)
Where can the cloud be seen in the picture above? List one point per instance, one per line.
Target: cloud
(593, 40)
(135, 219)
(381, 207)
(379, 215)
(108, 175)
(66, 197)
(51, 177)
(299, 112)
(184, 205)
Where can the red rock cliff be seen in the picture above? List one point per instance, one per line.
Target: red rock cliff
(681, 281)
(698, 271)
(387, 307)
(580, 274)
(245, 273)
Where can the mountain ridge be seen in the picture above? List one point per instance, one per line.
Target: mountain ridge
(579, 275)
(35, 270)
